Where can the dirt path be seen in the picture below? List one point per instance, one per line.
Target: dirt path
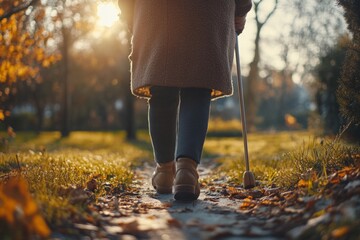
(210, 217)
(143, 214)
(221, 212)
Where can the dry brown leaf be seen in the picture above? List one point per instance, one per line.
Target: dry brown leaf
(256, 193)
(172, 222)
(340, 232)
(92, 185)
(247, 203)
(238, 195)
(344, 172)
(76, 194)
(130, 225)
(232, 190)
(267, 202)
(334, 178)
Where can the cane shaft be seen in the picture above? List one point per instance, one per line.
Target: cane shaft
(242, 105)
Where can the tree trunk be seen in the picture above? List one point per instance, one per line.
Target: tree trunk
(253, 93)
(65, 130)
(40, 120)
(252, 100)
(281, 104)
(39, 113)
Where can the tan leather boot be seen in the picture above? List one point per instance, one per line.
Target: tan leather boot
(163, 177)
(186, 185)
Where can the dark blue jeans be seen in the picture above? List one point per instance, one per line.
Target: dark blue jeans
(178, 121)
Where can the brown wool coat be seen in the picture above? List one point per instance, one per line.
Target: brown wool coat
(182, 43)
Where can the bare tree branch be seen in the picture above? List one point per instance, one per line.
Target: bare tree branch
(272, 12)
(256, 6)
(19, 8)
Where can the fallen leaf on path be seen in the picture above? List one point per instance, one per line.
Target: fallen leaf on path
(256, 194)
(340, 232)
(172, 222)
(130, 225)
(247, 203)
(238, 195)
(76, 194)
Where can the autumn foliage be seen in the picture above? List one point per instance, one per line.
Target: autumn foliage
(23, 45)
(19, 211)
(349, 87)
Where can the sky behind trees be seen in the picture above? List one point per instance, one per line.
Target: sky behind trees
(280, 31)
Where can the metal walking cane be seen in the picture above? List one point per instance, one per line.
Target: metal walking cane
(249, 178)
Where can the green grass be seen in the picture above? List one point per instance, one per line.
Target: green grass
(282, 158)
(52, 165)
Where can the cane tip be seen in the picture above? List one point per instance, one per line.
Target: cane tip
(249, 180)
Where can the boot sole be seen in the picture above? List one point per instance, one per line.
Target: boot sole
(185, 193)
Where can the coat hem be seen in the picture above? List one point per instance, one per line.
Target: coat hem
(144, 93)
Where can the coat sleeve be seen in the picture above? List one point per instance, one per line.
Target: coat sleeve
(127, 11)
(242, 7)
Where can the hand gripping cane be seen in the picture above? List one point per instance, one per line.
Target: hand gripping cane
(249, 179)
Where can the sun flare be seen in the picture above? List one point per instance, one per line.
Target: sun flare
(107, 14)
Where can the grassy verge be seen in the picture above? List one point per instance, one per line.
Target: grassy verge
(322, 169)
(65, 174)
(283, 158)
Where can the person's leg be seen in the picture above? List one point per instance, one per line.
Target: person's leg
(193, 123)
(163, 112)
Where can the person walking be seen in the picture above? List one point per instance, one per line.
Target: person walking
(181, 59)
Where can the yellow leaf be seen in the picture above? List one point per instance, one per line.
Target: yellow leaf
(40, 226)
(2, 116)
(7, 207)
(46, 63)
(15, 197)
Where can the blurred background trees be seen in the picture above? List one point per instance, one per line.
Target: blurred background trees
(64, 67)
(24, 48)
(328, 73)
(348, 93)
(254, 89)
